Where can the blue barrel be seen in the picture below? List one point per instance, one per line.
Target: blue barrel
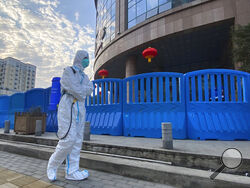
(4, 109)
(47, 99)
(52, 124)
(17, 103)
(55, 93)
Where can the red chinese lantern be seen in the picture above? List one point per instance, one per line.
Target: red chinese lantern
(149, 53)
(103, 73)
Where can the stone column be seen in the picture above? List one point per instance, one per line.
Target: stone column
(130, 71)
(242, 17)
(121, 16)
(130, 66)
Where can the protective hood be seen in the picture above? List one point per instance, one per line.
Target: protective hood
(80, 55)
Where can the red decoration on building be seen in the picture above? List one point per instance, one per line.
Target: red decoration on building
(149, 53)
(103, 73)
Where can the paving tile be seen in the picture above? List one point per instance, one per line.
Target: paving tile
(86, 185)
(45, 179)
(59, 183)
(28, 173)
(25, 180)
(2, 181)
(37, 184)
(54, 186)
(15, 177)
(120, 185)
(69, 186)
(8, 185)
(38, 176)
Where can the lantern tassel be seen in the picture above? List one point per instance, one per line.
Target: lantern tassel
(149, 60)
(103, 77)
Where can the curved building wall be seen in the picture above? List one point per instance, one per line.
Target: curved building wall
(210, 20)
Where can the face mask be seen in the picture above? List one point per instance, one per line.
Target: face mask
(85, 63)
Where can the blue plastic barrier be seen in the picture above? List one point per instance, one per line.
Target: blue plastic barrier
(104, 109)
(35, 98)
(248, 88)
(55, 93)
(218, 104)
(52, 124)
(17, 103)
(205, 104)
(153, 98)
(4, 109)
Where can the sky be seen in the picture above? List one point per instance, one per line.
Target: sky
(47, 34)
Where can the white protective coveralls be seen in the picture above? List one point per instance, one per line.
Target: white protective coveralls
(77, 86)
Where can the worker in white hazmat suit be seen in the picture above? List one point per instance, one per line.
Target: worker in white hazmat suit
(75, 86)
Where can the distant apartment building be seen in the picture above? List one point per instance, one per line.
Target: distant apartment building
(16, 76)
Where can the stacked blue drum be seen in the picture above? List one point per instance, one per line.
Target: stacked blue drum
(55, 93)
(4, 109)
(55, 96)
(17, 103)
(35, 98)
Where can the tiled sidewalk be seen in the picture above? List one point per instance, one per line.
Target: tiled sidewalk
(12, 179)
(22, 171)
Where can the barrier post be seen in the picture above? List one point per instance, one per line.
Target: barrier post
(167, 136)
(7, 126)
(38, 130)
(87, 131)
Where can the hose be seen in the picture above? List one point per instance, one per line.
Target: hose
(69, 124)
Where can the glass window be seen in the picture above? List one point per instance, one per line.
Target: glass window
(177, 3)
(112, 36)
(152, 4)
(131, 3)
(112, 28)
(106, 10)
(113, 19)
(108, 16)
(152, 12)
(165, 7)
(139, 10)
(131, 13)
(140, 18)
(131, 23)
(163, 1)
(108, 5)
(113, 10)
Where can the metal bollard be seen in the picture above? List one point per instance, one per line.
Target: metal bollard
(7, 126)
(167, 136)
(38, 130)
(86, 136)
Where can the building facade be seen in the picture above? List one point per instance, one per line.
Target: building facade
(16, 76)
(188, 34)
